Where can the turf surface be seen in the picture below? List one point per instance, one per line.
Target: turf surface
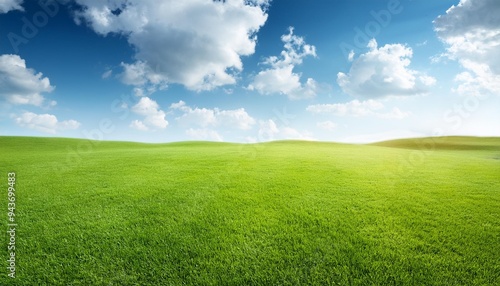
(406, 212)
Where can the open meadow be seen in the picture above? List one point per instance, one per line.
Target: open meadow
(405, 212)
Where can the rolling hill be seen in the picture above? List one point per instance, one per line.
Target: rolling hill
(404, 212)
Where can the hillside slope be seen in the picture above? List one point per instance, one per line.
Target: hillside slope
(445, 143)
(277, 213)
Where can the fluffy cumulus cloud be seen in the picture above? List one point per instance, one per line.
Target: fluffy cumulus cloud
(280, 78)
(384, 72)
(46, 123)
(358, 108)
(10, 5)
(196, 43)
(154, 117)
(471, 31)
(139, 125)
(204, 117)
(21, 85)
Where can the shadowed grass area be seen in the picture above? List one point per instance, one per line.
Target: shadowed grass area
(445, 143)
(278, 213)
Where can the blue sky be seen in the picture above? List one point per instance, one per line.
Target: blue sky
(249, 71)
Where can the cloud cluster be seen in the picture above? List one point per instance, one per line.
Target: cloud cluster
(46, 123)
(358, 108)
(384, 72)
(196, 43)
(203, 121)
(10, 5)
(203, 117)
(280, 78)
(21, 85)
(154, 117)
(471, 31)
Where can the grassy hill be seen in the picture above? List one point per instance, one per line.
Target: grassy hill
(445, 143)
(405, 212)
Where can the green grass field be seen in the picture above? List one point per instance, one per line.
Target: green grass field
(404, 212)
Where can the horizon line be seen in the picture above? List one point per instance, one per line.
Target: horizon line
(251, 143)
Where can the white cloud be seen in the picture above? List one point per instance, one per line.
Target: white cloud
(107, 74)
(421, 44)
(353, 108)
(269, 131)
(139, 73)
(351, 55)
(204, 117)
(280, 78)
(384, 72)
(427, 80)
(196, 43)
(10, 5)
(358, 108)
(327, 125)
(68, 125)
(21, 85)
(199, 116)
(138, 125)
(471, 31)
(181, 105)
(145, 82)
(153, 115)
(238, 118)
(47, 123)
(204, 134)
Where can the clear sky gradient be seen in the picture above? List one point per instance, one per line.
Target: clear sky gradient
(249, 71)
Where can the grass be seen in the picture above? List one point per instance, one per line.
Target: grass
(408, 212)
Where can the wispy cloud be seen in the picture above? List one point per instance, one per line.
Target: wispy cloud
(327, 125)
(10, 5)
(358, 108)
